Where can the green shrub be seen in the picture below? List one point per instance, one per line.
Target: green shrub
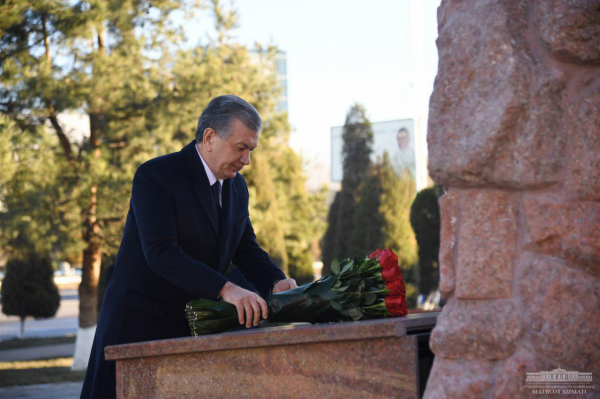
(28, 289)
(425, 221)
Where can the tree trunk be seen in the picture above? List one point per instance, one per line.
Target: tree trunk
(88, 289)
(46, 40)
(92, 254)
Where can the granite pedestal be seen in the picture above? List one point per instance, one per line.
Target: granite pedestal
(378, 358)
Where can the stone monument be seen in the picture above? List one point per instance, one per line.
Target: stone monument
(366, 359)
(514, 136)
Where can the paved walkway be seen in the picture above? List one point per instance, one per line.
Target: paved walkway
(37, 352)
(67, 390)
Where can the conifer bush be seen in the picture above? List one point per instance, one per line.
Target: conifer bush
(28, 289)
(425, 221)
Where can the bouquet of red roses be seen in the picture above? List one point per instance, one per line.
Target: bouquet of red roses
(369, 288)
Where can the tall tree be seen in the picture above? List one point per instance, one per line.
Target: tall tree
(301, 213)
(382, 217)
(304, 216)
(425, 221)
(87, 56)
(127, 68)
(35, 193)
(356, 153)
(106, 60)
(265, 212)
(286, 217)
(369, 222)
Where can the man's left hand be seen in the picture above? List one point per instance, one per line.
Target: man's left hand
(284, 285)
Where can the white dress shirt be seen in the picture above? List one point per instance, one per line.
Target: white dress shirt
(211, 177)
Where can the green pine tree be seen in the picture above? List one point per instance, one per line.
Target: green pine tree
(28, 289)
(286, 217)
(303, 219)
(108, 77)
(264, 211)
(397, 196)
(36, 194)
(425, 221)
(356, 152)
(329, 240)
(8, 132)
(381, 220)
(142, 91)
(369, 222)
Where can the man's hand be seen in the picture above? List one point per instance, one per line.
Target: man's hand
(284, 285)
(248, 304)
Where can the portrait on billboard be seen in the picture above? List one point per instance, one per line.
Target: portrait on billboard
(394, 137)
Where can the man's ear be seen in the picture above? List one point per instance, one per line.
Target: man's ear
(207, 140)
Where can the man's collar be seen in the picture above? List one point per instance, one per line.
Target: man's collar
(211, 176)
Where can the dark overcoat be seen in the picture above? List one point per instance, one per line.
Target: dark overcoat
(174, 250)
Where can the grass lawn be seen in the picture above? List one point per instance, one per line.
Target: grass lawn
(38, 372)
(17, 343)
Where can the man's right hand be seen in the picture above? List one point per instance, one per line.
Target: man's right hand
(248, 304)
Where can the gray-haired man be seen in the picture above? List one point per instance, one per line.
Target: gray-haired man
(187, 224)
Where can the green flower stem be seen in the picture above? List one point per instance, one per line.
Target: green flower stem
(380, 305)
(381, 291)
(361, 273)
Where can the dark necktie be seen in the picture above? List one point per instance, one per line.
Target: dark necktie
(216, 191)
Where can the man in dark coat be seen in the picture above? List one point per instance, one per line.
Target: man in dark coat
(187, 227)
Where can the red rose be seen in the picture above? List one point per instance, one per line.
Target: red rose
(375, 254)
(386, 257)
(396, 287)
(396, 305)
(392, 273)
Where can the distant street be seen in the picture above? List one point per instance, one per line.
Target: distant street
(64, 323)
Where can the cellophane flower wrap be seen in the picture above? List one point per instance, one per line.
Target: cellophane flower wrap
(369, 288)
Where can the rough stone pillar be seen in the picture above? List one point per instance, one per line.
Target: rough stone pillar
(514, 135)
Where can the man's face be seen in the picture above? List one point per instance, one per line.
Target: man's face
(227, 157)
(402, 138)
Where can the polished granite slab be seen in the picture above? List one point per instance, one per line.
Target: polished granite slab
(376, 358)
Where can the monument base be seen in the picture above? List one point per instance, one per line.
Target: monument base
(377, 358)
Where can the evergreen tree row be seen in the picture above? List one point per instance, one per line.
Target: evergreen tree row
(374, 209)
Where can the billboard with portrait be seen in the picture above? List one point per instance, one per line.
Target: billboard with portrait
(395, 137)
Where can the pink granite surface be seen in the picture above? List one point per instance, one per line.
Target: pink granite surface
(383, 367)
(514, 137)
(286, 335)
(354, 360)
